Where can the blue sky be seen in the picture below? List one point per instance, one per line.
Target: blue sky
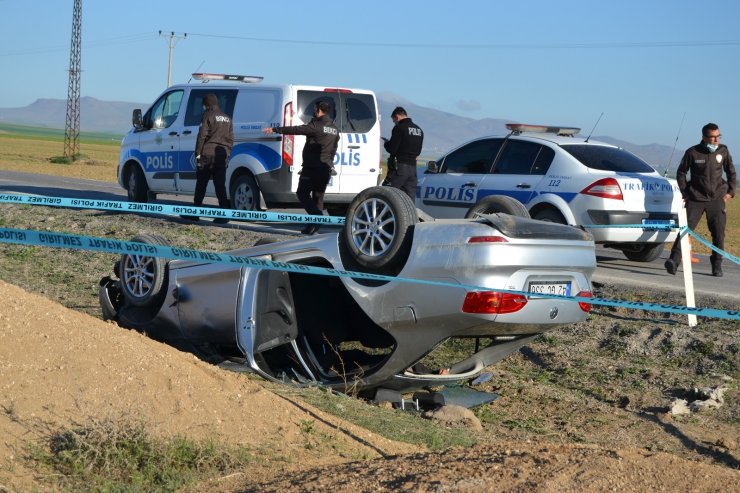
(644, 64)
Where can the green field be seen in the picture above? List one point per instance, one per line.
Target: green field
(29, 149)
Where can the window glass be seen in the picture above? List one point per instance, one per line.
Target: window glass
(308, 99)
(258, 106)
(194, 114)
(543, 161)
(517, 158)
(608, 158)
(359, 115)
(475, 157)
(164, 112)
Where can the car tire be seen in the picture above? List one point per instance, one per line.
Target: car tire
(644, 253)
(143, 278)
(495, 204)
(136, 187)
(378, 229)
(550, 216)
(244, 193)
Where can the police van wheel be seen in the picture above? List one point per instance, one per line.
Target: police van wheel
(494, 204)
(244, 193)
(644, 253)
(136, 187)
(379, 228)
(144, 278)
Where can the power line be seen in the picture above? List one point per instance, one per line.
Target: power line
(494, 46)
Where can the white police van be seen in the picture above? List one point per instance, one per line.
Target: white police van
(560, 178)
(157, 154)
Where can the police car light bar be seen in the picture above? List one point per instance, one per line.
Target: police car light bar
(518, 128)
(239, 78)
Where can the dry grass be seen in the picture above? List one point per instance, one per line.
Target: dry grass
(32, 156)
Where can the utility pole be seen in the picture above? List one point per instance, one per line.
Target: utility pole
(72, 125)
(173, 39)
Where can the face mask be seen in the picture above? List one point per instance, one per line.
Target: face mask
(712, 147)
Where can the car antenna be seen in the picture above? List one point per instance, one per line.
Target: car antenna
(597, 122)
(196, 71)
(668, 165)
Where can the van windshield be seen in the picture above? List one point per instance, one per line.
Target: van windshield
(354, 113)
(608, 158)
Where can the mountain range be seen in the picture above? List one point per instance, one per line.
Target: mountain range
(442, 130)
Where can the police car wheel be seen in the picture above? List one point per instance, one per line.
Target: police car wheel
(143, 278)
(644, 253)
(495, 204)
(136, 187)
(244, 193)
(378, 229)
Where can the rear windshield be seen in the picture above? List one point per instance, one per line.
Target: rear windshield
(608, 158)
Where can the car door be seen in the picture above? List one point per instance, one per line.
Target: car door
(358, 155)
(518, 170)
(451, 191)
(159, 142)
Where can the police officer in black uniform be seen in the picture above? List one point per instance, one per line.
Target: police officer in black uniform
(404, 147)
(705, 192)
(212, 150)
(322, 139)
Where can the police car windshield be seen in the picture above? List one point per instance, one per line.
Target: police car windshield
(607, 158)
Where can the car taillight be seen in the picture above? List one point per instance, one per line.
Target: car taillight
(606, 188)
(487, 239)
(586, 307)
(493, 302)
(288, 139)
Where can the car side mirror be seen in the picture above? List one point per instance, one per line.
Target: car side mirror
(432, 167)
(136, 119)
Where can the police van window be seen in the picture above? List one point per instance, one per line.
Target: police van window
(164, 112)
(608, 158)
(517, 158)
(308, 99)
(359, 113)
(194, 114)
(258, 106)
(475, 157)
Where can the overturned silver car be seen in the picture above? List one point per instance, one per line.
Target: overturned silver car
(342, 331)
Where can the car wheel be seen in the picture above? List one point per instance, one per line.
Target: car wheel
(378, 229)
(550, 216)
(644, 253)
(143, 278)
(136, 187)
(494, 204)
(244, 193)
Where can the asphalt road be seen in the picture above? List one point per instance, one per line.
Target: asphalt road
(612, 266)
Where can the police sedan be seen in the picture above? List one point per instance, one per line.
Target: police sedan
(559, 177)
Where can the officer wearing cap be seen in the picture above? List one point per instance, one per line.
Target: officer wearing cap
(322, 140)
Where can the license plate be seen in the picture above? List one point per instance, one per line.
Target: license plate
(658, 222)
(560, 288)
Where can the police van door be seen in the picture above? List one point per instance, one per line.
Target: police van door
(454, 189)
(357, 160)
(193, 115)
(518, 170)
(159, 142)
(358, 157)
